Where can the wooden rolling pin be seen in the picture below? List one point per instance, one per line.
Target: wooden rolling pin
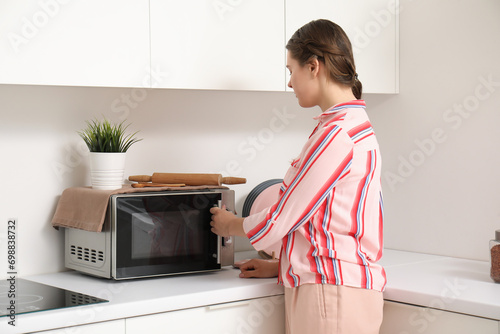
(189, 179)
(149, 184)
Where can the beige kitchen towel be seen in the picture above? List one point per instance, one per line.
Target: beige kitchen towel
(85, 208)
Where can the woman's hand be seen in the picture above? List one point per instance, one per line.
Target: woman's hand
(225, 223)
(259, 268)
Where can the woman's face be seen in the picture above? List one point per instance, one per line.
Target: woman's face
(302, 82)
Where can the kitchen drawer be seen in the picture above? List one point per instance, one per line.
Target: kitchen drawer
(410, 319)
(261, 315)
(115, 327)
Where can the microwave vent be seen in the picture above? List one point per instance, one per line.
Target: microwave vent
(87, 254)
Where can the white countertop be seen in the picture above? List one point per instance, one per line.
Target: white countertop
(446, 283)
(441, 282)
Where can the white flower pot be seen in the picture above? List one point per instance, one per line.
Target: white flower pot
(107, 170)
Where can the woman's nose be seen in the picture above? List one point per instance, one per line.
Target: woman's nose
(290, 84)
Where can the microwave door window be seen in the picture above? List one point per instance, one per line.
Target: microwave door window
(167, 235)
(142, 229)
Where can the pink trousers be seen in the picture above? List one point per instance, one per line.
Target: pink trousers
(332, 309)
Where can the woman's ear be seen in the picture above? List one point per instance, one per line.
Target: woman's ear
(313, 66)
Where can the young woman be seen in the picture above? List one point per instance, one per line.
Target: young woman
(329, 214)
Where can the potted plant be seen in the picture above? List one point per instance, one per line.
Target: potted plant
(108, 144)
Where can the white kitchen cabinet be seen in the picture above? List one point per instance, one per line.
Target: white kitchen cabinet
(259, 316)
(372, 27)
(115, 327)
(410, 319)
(199, 44)
(78, 42)
(221, 44)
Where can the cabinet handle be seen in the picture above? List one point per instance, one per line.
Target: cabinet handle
(228, 305)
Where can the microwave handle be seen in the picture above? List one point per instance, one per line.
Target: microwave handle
(219, 238)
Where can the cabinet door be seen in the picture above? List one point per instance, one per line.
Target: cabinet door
(372, 27)
(222, 44)
(261, 315)
(79, 42)
(115, 327)
(410, 319)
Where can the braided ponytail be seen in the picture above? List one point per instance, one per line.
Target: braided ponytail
(357, 88)
(329, 43)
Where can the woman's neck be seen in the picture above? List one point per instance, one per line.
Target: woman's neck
(334, 94)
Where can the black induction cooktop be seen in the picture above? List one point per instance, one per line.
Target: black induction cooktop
(28, 296)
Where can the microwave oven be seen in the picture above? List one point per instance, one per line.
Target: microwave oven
(153, 234)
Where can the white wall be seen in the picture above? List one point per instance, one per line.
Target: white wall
(440, 198)
(444, 199)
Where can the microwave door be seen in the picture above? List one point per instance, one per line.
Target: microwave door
(164, 234)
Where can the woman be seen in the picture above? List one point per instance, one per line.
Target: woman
(329, 214)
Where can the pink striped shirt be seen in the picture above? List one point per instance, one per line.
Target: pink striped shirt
(329, 216)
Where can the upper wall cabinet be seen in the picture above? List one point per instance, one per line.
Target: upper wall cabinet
(372, 27)
(221, 44)
(196, 44)
(79, 42)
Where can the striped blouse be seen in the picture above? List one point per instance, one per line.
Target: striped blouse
(328, 219)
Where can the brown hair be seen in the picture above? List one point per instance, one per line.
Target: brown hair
(329, 43)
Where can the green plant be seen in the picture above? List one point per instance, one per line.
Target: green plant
(106, 137)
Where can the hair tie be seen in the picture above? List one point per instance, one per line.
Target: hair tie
(355, 76)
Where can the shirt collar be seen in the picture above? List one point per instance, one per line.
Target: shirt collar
(345, 105)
